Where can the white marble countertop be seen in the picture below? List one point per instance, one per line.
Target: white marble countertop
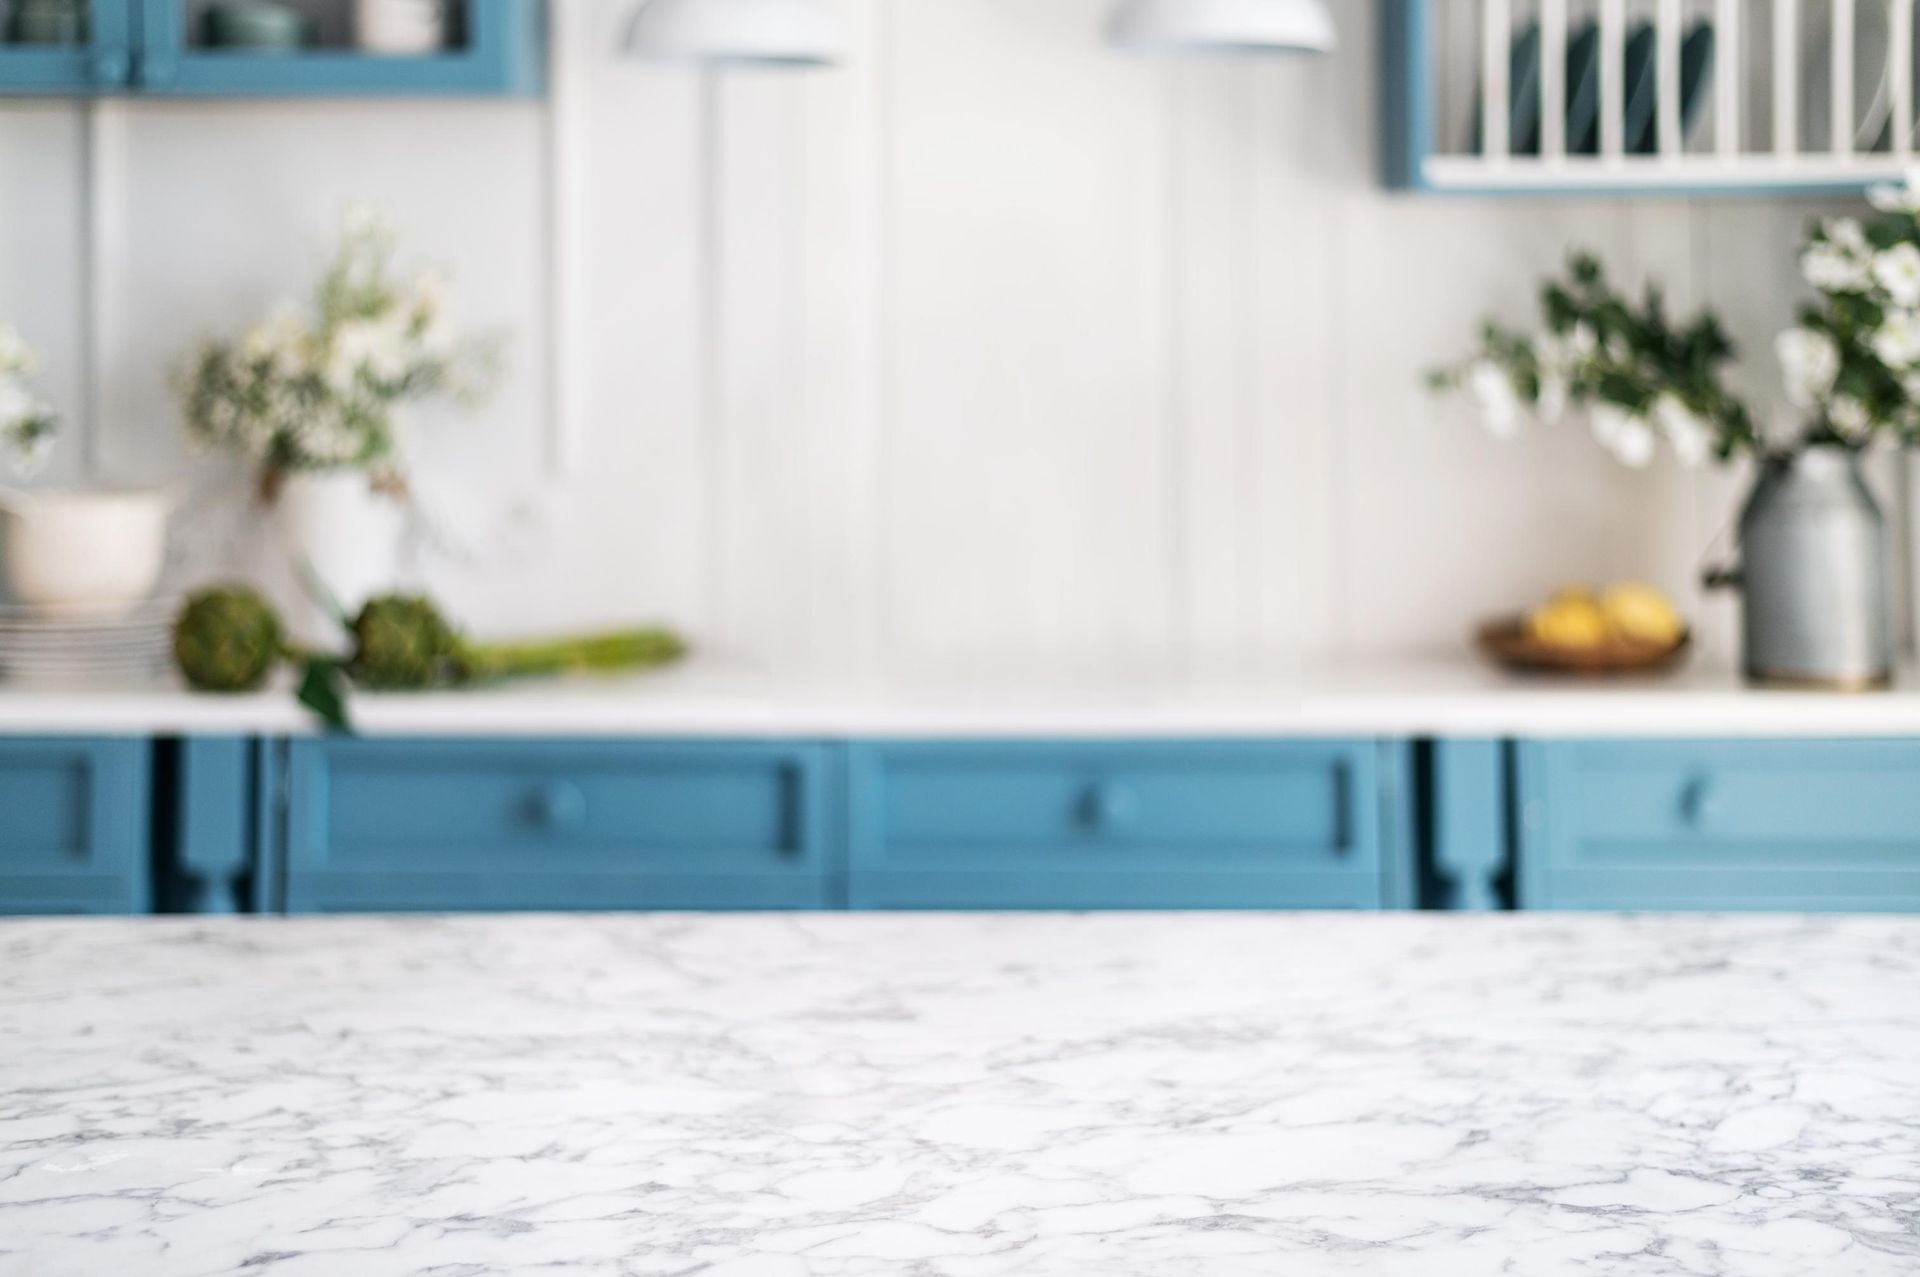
(1168, 1096)
(1433, 697)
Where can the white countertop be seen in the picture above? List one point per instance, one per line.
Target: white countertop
(1444, 697)
(1161, 1095)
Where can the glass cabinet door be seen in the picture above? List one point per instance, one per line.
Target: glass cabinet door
(317, 48)
(69, 47)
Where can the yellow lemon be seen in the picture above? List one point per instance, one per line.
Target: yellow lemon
(1641, 613)
(1571, 620)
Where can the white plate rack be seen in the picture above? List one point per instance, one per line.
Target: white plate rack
(1685, 96)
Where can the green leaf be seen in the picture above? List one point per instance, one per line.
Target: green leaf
(322, 690)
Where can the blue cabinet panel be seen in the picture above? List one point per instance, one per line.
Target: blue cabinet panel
(413, 824)
(74, 826)
(152, 48)
(215, 857)
(1092, 825)
(1469, 825)
(1786, 825)
(502, 52)
(102, 62)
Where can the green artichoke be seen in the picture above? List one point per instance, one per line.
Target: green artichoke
(402, 643)
(227, 639)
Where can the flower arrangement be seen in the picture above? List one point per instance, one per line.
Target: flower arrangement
(1851, 363)
(1638, 375)
(28, 427)
(320, 391)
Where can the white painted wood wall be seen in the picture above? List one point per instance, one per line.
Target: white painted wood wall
(1000, 354)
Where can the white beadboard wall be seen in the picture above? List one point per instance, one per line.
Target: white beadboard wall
(991, 353)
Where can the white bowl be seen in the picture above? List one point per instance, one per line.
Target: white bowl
(86, 555)
(400, 26)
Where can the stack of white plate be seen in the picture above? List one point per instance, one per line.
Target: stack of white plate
(37, 647)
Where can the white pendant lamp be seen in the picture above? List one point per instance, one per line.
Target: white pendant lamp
(798, 33)
(1223, 27)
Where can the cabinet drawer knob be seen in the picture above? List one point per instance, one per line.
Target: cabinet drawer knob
(559, 805)
(1700, 802)
(1110, 806)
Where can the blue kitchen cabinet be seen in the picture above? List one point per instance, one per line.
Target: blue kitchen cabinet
(100, 62)
(74, 826)
(1116, 825)
(427, 825)
(1431, 76)
(499, 50)
(154, 48)
(224, 788)
(1786, 825)
(1466, 824)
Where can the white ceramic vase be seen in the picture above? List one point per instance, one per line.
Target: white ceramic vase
(343, 536)
(85, 555)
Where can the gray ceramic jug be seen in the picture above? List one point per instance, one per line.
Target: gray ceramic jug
(1813, 574)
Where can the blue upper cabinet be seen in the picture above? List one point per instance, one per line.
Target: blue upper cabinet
(45, 56)
(1503, 97)
(497, 48)
(166, 48)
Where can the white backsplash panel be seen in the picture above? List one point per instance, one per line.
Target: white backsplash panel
(991, 352)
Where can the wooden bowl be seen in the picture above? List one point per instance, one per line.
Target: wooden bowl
(1512, 647)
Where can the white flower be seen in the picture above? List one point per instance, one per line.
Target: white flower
(1629, 438)
(380, 349)
(1834, 270)
(15, 355)
(1578, 345)
(427, 307)
(1849, 419)
(428, 295)
(1691, 438)
(1847, 234)
(16, 405)
(1634, 445)
(27, 428)
(1898, 270)
(29, 451)
(1810, 362)
(282, 340)
(1897, 341)
(364, 220)
(1551, 403)
(1897, 197)
(1490, 390)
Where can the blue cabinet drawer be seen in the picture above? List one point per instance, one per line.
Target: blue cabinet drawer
(1090, 825)
(74, 826)
(422, 825)
(1720, 825)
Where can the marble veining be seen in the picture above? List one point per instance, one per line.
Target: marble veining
(851, 1095)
